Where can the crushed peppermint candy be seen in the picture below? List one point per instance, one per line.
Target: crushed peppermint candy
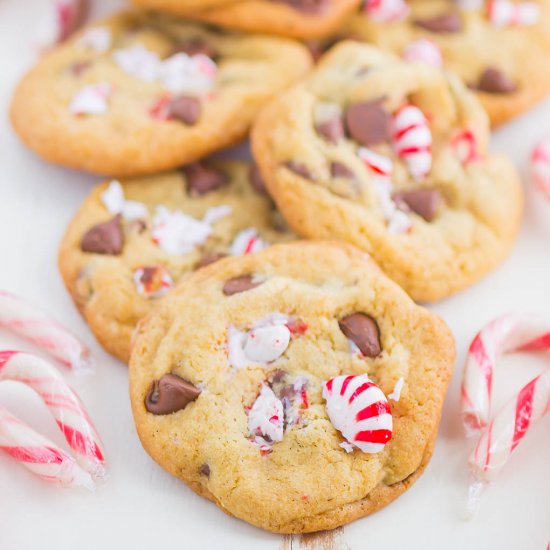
(266, 419)
(386, 11)
(152, 281)
(247, 241)
(397, 220)
(91, 100)
(178, 233)
(425, 51)
(395, 395)
(98, 39)
(507, 13)
(113, 199)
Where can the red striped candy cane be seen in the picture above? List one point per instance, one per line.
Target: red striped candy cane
(358, 409)
(39, 455)
(509, 427)
(412, 140)
(504, 12)
(30, 323)
(512, 332)
(63, 403)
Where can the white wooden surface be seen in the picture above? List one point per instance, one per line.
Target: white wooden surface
(142, 507)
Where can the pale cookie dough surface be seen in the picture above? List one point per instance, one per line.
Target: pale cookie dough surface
(292, 18)
(143, 92)
(521, 53)
(305, 481)
(327, 189)
(103, 284)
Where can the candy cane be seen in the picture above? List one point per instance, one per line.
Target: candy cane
(512, 332)
(385, 11)
(412, 140)
(505, 12)
(540, 165)
(30, 323)
(39, 455)
(63, 403)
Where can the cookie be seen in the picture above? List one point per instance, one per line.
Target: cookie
(132, 241)
(501, 49)
(391, 157)
(143, 92)
(292, 18)
(301, 404)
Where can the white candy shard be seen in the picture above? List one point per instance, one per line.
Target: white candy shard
(386, 11)
(395, 395)
(98, 39)
(504, 12)
(138, 61)
(425, 51)
(247, 241)
(266, 418)
(152, 282)
(378, 164)
(113, 199)
(91, 100)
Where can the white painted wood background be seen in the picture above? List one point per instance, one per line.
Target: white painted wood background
(141, 506)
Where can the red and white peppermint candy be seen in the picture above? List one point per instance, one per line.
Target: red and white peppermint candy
(505, 13)
(91, 100)
(70, 16)
(266, 419)
(378, 164)
(247, 241)
(540, 165)
(40, 455)
(464, 144)
(98, 39)
(509, 427)
(64, 404)
(113, 199)
(386, 11)
(424, 50)
(412, 140)
(512, 332)
(32, 324)
(358, 409)
(152, 281)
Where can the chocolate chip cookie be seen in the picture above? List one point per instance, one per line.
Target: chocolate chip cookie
(143, 92)
(392, 157)
(300, 402)
(501, 49)
(292, 18)
(132, 241)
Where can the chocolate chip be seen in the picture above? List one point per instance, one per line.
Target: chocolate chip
(148, 274)
(184, 108)
(299, 169)
(204, 470)
(423, 202)
(368, 122)
(332, 130)
(79, 68)
(196, 46)
(240, 284)
(339, 170)
(104, 238)
(309, 7)
(170, 394)
(202, 179)
(494, 81)
(363, 331)
(257, 180)
(446, 23)
(208, 259)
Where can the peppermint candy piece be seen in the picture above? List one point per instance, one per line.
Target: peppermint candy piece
(113, 199)
(412, 140)
(152, 281)
(398, 221)
(425, 51)
(247, 241)
(91, 100)
(98, 39)
(464, 144)
(376, 163)
(386, 11)
(266, 419)
(504, 13)
(359, 410)
(540, 165)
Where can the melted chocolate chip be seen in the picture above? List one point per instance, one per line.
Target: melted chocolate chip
(104, 238)
(494, 81)
(299, 169)
(368, 123)
(331, 130)
(186, 109)
(208, 259)
(240, 284)
(309, 7)
(423, 202)
(446, 23)
(363, 331)
(170, 394)
(148, 274)
(196, 46)
(204, 470)
(202, 179)
(256, 179)
(339, 170)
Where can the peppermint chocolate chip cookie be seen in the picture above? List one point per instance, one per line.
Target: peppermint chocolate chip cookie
(143, 92)
(500, 48)
(293, 18)
(300, 403)
(392, 157)
(132, 241)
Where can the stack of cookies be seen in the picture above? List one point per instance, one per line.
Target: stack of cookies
(255, 354)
